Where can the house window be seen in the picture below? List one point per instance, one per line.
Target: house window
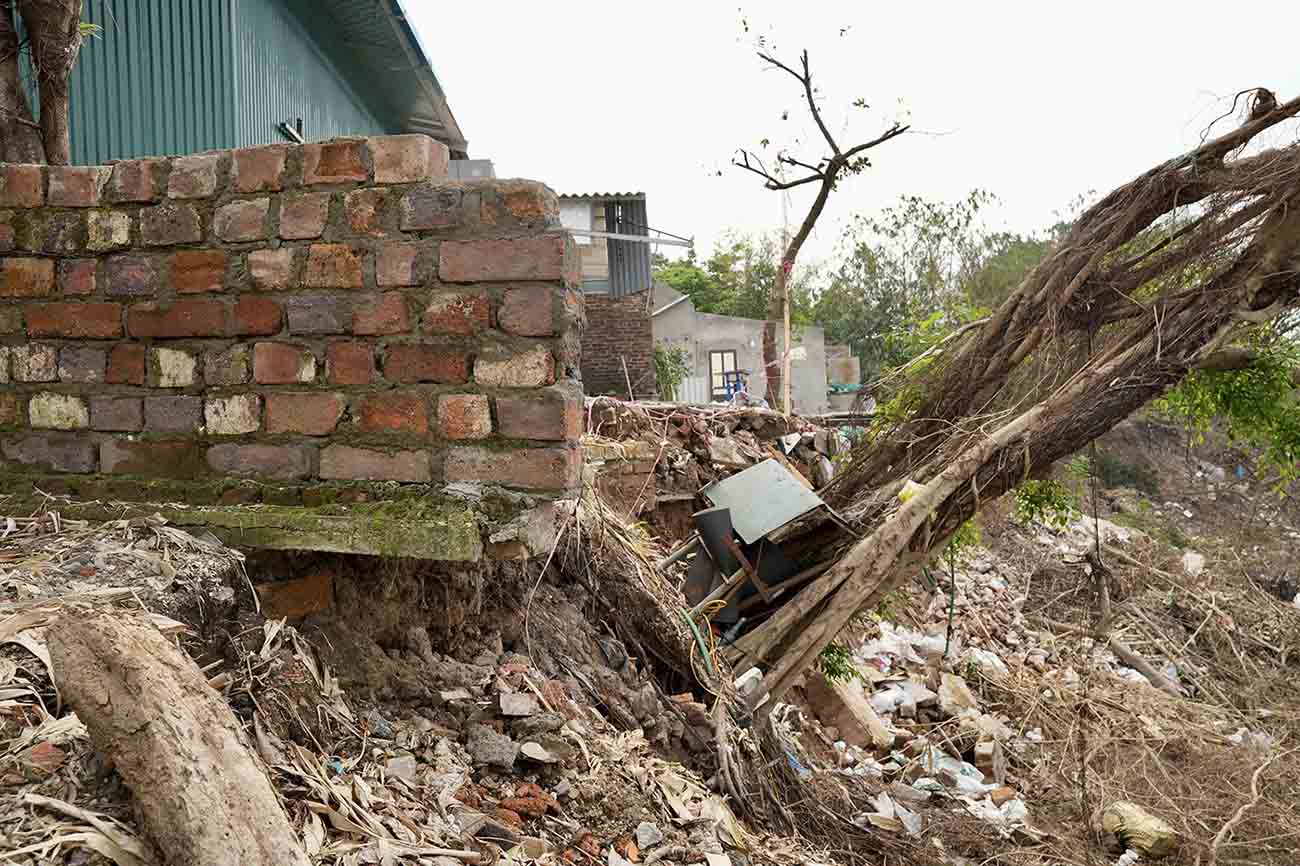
(724, 378)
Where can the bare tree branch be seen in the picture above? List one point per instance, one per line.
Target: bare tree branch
(773, 182)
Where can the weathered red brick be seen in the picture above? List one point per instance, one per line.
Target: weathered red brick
(199, 270)
(82, 364)
(361, 464)
(335, 161)
(528, 311)
(350, 363)
(464, 416)
(26, 277)
(419, 363)
(175, 459)
(59, 452)
(386, 314)
(131, 274)
(135, 180)
(186, 318)
(536, 468)
(77, 277)
(457, 314)
(118, 414)
(170, 223)
(228, 366)
(394, 412)
(259, 169)
(315, 414)
(126, 364)
(529, 369)
(408, 158)
(77, 185)
(283, 364)
(397, 264)
(319, 313)
(428, 206)
(193, 176)
(552, 414)
(256, 316)
(242, 220)
(173, 413)
(333, 266)
(35, 362)
(271, 270)
(84, 321)
(303, 216)
(365, 210)
(21, 185)
(279, 462)
(540, 258)
(296, 599)
(11, 320)
(519, 201)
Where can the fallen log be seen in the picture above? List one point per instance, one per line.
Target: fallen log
(174, 741)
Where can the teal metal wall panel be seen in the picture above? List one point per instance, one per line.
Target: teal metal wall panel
(290, 63)
(158, 80)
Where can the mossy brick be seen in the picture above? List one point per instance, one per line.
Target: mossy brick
(303, 216)
(381, 315)
(21, 185)
(181, 318)
(532, 368)
(172, 368)
(54, 452)
(408, 158)
(52, 231)
(234, 415)
(241, 221)
(350, 363)
(404, 412)
(35, 362)
(259, 169)
(456, 314)
(4, 365)
(312, 414)
(424, 363)
(257, 316)
(13, 410)
(228, 366)
(77, 185)
(82, 364)
(332, 266)
(537, 258)
(132, 274)
(24, 277)
(126, 364)
(117, 414)
(51, 411)
(194, 176)
(261, 460)
(107, 230)
(336, 161)
(90, 321)
(180, 459)
(464, 416)
(136, 180)
(77, 277)
(283, 364)
(173, 413)
(271, 270)
(534, 468)
(11, 320)
(345, 462)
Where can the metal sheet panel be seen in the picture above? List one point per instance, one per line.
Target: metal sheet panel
(629, 261)
(762, 499)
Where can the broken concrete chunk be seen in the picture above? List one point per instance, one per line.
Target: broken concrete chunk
(516, 704)
(648, 835)
(537, 752)
(488, 747)
(1137, 828)
(532, 727)
(955, 696)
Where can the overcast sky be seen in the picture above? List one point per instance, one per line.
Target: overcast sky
(1034, 102)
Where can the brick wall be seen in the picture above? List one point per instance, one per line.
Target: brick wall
(285, 318)
(618, 329)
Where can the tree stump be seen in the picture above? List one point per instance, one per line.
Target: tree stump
(174, 741)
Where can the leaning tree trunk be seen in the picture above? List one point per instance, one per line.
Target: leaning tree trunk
(20, 136)
(1090, 336)
(175, 742)
(54, 27)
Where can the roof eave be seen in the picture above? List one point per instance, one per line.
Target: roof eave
(442, 124)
